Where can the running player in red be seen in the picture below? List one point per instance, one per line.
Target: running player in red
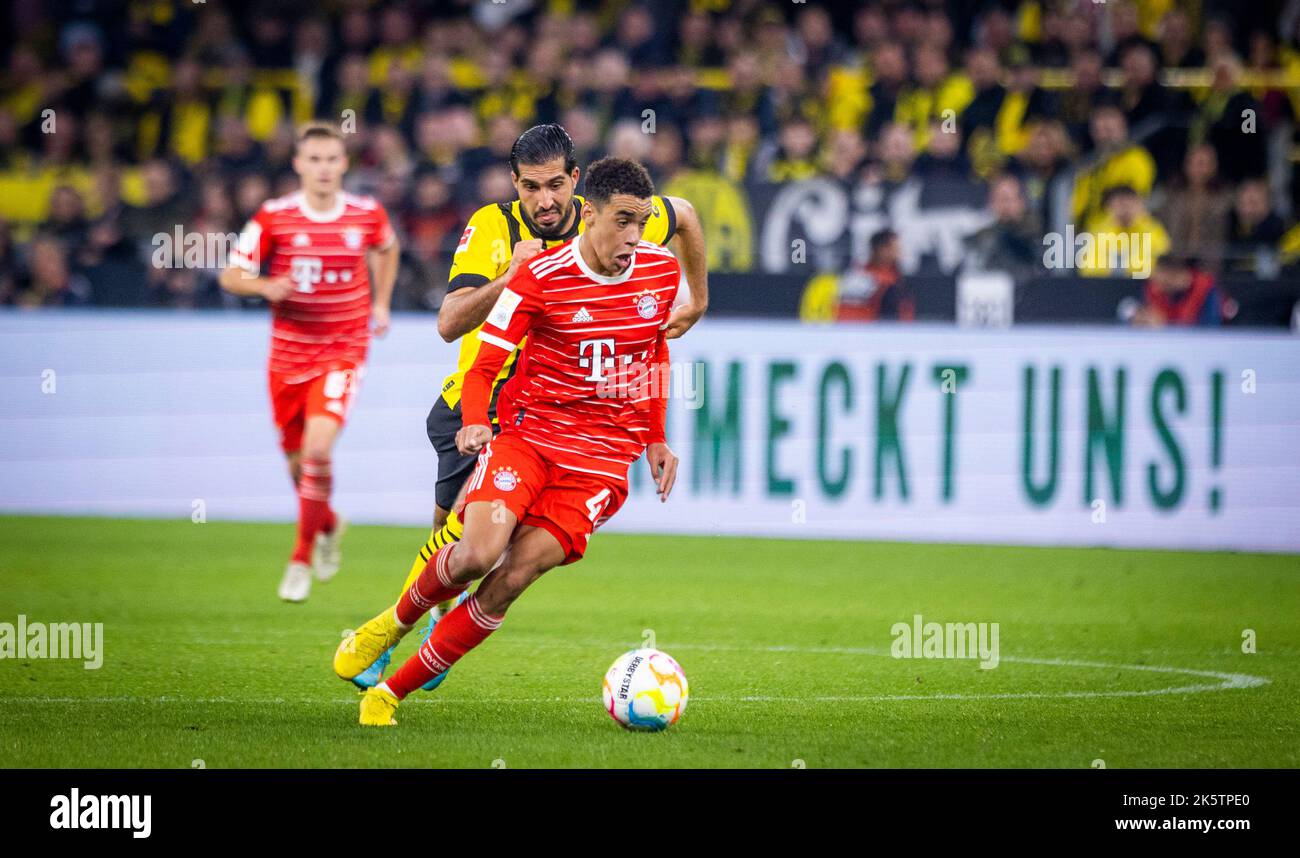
(588, 398)
(315, 247)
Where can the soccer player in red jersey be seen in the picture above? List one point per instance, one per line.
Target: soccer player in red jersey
(588, 398)
(315, 247)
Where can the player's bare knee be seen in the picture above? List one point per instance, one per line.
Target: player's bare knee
(316, 451)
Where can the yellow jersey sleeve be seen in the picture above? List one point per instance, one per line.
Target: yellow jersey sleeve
(482, 255)
(663, 222)
(483, 252)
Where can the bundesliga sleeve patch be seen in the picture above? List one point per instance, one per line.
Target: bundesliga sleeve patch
(465, 236)
(504, 309)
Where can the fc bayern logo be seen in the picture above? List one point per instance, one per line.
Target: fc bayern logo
(505, 480)
(647, 306)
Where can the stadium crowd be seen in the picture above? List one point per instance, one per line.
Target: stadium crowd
(124, 121)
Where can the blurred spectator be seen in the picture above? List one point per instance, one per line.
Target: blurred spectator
(1115, 161)
(1013, 242)
(877, 290)
(50, 280)
(1179, 294)
(985, 73)
(846, 156)
(1229, 120)
(1126, 238)
(1177, 46)
(432, 219)
(1125, 30)
(889, 65)
(1084, 95)
(897, 153)
(67, 217)
(1149, 107)
(794, 156)
(936, 95)
(163, 207)
(1195, 210)
(943, 159)
(1040, 163)
(1254, 232)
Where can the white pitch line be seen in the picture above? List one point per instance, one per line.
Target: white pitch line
(1226, 682)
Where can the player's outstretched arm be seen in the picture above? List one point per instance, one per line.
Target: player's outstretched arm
(689, 243)
(465, 309)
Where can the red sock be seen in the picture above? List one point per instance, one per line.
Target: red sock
(456, 634)
(314, 513)
(433, 586)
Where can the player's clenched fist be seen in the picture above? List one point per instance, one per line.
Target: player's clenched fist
(471, 439)
(524, 251)
(276, 289)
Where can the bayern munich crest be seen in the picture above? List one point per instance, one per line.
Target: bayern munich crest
(505, 479)
(647, 306)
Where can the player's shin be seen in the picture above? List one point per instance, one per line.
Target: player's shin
(433, 585)
(440, 538)
(460, 631)
(314, 513)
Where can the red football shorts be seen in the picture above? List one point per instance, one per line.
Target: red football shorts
(569, 504)
(329, 394)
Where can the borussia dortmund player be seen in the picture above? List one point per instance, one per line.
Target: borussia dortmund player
(498, 240)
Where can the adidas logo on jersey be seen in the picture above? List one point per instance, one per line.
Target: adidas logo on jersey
(582, 316)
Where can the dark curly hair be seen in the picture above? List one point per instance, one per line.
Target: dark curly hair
(610, 176)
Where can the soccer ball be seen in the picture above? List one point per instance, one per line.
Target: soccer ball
(645, 690)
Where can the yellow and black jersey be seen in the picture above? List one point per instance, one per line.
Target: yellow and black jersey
(483, 254)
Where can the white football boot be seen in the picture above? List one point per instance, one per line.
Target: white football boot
(295, 586)
(327, 553)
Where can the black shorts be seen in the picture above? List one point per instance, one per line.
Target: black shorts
(442, 424)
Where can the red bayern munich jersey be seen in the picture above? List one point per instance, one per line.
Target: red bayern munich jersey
(585, 331)
(326, 320)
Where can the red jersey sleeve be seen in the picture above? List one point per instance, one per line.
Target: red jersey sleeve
(659, 405)
(254, 245)
(382, 236)
(513, 315)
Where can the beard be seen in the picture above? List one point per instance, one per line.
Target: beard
(548, 233)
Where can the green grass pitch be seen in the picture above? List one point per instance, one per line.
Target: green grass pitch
(1129, 657)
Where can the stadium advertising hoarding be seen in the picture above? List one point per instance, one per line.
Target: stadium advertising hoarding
(917, 433)
(1035, 436)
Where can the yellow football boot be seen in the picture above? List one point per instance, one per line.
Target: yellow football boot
(377, 708)
(363, 647)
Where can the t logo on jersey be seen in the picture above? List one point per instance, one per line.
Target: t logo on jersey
(305, 271)
(598, 361)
